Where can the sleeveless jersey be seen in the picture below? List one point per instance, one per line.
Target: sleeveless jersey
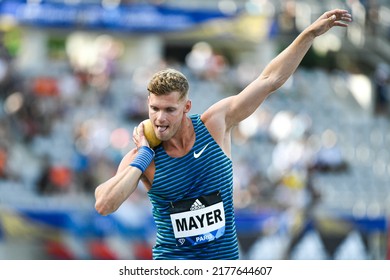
(202, 179)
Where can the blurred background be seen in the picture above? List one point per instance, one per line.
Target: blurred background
(311, 165)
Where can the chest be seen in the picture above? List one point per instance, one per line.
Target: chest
(201, 171)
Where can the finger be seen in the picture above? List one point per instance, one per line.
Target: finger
(341, 24)
(141, 129)
(135, 136)
(328, 14)
(339, 21)
(345, 16)
(340, 15)
(338, 12)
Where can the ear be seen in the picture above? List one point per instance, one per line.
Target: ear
(188, 106)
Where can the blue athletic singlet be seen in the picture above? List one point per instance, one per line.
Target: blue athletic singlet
(192, 199)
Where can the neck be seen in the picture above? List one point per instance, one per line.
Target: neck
(183, 141)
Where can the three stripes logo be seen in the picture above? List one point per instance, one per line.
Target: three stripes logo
(197, 205)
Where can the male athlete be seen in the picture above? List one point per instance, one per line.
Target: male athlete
(189, 175)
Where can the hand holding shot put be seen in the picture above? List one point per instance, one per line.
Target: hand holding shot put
(145, 129)
(189, 175)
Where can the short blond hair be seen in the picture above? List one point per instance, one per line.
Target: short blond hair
(167, 81)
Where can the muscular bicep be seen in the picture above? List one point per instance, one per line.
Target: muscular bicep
(221, 117)
(245, 103)
(230, 111)
(217, 123)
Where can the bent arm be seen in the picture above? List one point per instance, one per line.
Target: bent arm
(112, 193)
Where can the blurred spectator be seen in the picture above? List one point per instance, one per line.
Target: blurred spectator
(55, 179)
(372, 16)
(205, 63)
(45, 86)
(3, 163)
(7, 73)
(329, 158)
(381, 81)
(286, 19)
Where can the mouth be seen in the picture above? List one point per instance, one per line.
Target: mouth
(161, 128)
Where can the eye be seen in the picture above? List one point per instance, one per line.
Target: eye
(154, 108)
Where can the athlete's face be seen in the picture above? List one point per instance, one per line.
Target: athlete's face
(166, 113)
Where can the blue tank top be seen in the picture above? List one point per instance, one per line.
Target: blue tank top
(192, 199)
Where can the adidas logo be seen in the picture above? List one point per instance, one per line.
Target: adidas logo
(197, 205)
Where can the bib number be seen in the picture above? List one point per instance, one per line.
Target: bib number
(198, 220)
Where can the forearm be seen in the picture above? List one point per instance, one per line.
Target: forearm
(284, 65)
(273, 77)
(112, 193)
(280, 68)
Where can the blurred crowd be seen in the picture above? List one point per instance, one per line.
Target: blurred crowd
(67, 133)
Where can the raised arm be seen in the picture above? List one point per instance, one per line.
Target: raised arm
(280, 68)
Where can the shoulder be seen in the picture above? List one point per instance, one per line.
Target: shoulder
(217, 115)
(219, 111)
(218, 123)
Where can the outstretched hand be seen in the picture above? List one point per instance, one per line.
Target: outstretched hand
(329, 19)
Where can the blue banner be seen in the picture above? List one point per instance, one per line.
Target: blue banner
(130, 18)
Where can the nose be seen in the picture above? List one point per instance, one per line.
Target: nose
(160, 116)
